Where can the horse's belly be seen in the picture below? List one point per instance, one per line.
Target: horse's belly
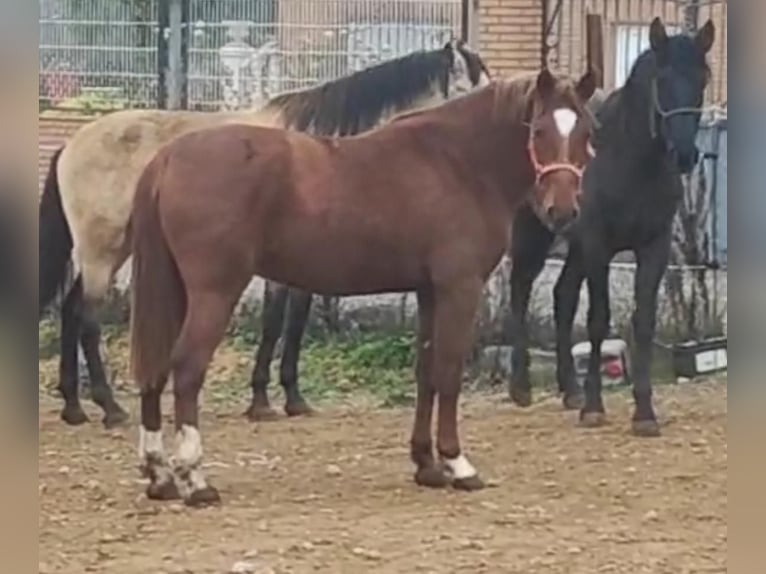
(332, 265)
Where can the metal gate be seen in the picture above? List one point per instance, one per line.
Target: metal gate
(222, 53)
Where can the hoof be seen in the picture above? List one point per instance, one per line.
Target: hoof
(115, 418)
(207, 496)
(470, 484)
(162, 491)
(261, 413)
(74, 416)
(573, 401)
(647, 428)
(521, 397)
(299, 409)
(592, 419)
(431, 477)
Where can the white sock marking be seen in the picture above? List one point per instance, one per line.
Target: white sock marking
(565, 119)
(460, 467)
(152, 454)
(189, 456)
(150, 443)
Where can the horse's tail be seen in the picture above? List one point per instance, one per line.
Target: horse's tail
(159, 299)
(55, 238)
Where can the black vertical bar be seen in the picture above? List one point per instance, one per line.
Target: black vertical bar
(544, 33)
(163, 24)
(465, 19)
(185, 44)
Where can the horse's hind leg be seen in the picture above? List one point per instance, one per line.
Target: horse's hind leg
(207, 317)
(69, 378)
(274, 303)
(154, 461)
(298, 308)
(90, 339)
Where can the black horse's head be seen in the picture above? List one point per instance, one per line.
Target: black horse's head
(677, 89)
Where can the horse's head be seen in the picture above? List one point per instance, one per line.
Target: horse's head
(467, 70)
(559, 147)
(677, 89)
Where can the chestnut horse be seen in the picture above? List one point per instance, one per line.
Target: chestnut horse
(89, 190)
(424, 203)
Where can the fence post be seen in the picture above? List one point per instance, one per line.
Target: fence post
(177, 60)
(163, 32)
(691, 16)
(594, 38)
(469, 24)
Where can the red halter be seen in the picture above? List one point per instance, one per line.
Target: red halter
(541, 170)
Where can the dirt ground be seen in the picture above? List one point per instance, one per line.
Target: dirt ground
(334, 494)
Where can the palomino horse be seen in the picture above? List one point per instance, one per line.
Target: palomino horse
(89, 190)
(646, 140)
(424, 204)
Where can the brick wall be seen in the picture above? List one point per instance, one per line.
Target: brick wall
(54, 130)
(510, 35)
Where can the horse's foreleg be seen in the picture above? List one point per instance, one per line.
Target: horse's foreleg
(597, 273)
(428, 473)
(530, 243)
(566, 296)
(69, 378)
(652, 261)
(454, 324)
(272, 318)
(90, 339)
(298, 308)
(207, 318)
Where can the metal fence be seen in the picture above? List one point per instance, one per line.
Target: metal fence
(98, 51)
(234, 52)
(626, 34)
(242, 52)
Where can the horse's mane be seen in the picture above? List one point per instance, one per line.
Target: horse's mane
(511, 97)
(357, 102)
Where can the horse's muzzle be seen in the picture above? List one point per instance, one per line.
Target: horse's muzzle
(686, 160)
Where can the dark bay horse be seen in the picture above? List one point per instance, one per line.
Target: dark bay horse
(89, 189)
(422, 204)
(645, 141)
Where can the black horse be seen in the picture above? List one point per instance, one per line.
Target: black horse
(631, 190)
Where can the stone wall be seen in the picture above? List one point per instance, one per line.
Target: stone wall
(396, 311)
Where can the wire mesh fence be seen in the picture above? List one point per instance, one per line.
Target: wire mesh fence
(98, 53)
(106, 53)
(242, 52)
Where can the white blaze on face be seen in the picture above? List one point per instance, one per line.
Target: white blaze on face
(565, 120)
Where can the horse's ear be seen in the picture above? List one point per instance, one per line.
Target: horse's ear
(658, 37)
(705, 37)
(546, 83)
(586, 85)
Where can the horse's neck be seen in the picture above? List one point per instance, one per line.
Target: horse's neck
(629, 128)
